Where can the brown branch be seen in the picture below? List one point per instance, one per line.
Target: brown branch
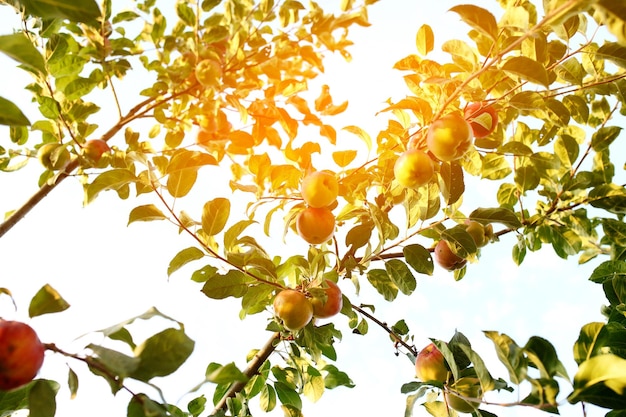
(252, 369)
(396, 338)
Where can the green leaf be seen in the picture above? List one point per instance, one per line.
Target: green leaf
(401, 276)
(608, 270)
(146, 213)
(11, 115)
(204, 274)
(313, 384)
(425, 39)
(527, 69)
(72, 383)
(543, 355)
(41, 399)
(18, 47)
(478, 18)
(608, 371)
(604, 136)
(226, 374)
(614, 52)
(162, 354)
(609, 197)
(287, 395)
(454, 185)
(419, 258)
(496, 215)
(184, 257)
(335, 378)
(114, 179)
(380, 280)
(47, 300)
(215, 215)
(85, 11)
(233, 284)
(510, 354)
(586, 343)
(267, 400)
(116, 362)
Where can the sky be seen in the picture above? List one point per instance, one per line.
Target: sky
(110, 272)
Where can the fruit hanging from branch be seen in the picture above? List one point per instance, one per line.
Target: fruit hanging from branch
(293, 309)
(413, 168)
(327, 301)
(315, 225)
(430, 364)
(482, 117)
(446, 258)
(21, 354)
(319, 189)
(449, 137)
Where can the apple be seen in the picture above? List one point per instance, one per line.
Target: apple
(208, 73)
(449, 137)
(468, 387)
(94, 149)
(319, 189)
(327, 301)
(21, 354)
(446, 258)
(293, 308)
(482, 118)
(430, 364)
(53, 156)
(315, 225)
(413, 168)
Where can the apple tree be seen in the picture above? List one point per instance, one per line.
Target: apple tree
(531, 101)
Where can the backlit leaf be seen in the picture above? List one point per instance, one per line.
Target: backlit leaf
(11, 115)
(47, 300)
(614, 52)
(380, 280)
(113, 179)
(425, 39)
(233, 284)
(184, 257)
(344, 158)
(227, 374)
(478, 18)
(85, 11)
(401, 276)
(362, 134)
(527, 69)
(162, 354)
(604, 136)
(510, 354)
(419, 258)
(145, 213)
(215, 214)
(496, 215)
(607, 371)
(18, 47)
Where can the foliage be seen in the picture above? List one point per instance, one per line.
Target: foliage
(228, 91)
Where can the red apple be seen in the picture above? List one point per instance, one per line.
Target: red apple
(21, 354)
(446, 258)
(430, 364)
(327, 301)
(94, 149)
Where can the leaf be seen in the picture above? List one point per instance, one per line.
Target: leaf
(226, 374)
(606, 370)
(401, 276)
(454, 185)
(604, 136)
(267, 400)
(233, 284)
(425, 40)
(586, 343)
(287, 395)
(419, 258)
(313, 384)
(18, 47)
(113, 179)
(496, 215)
(336, 378)
(41, 398)
(116, 362)
(184, 257)
(380, 280)
(344, 158)
(614, 52)
(145, 213)
(11, 115)
(478, 18)
(162, 354)
(543, 355)
(362, 134)
(85, 11)
(215, 214)
(510, 354)
(527, 69)
(47, 300)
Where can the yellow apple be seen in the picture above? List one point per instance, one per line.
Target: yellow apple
(413, 168)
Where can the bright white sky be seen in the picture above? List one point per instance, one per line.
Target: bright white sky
(109, 272)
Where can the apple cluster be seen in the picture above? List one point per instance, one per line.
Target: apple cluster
(463, 395)
(21, 354)
(445, 256)
(316, 223)
(448, 139)
(295, 309)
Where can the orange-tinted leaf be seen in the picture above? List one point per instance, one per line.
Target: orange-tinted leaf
(362, 134)
(527, 69)
(329, 132)
(425, 39)
(344, 158)
(478, 18)
(215, 213)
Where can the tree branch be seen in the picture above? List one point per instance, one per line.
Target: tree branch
(252, 369)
